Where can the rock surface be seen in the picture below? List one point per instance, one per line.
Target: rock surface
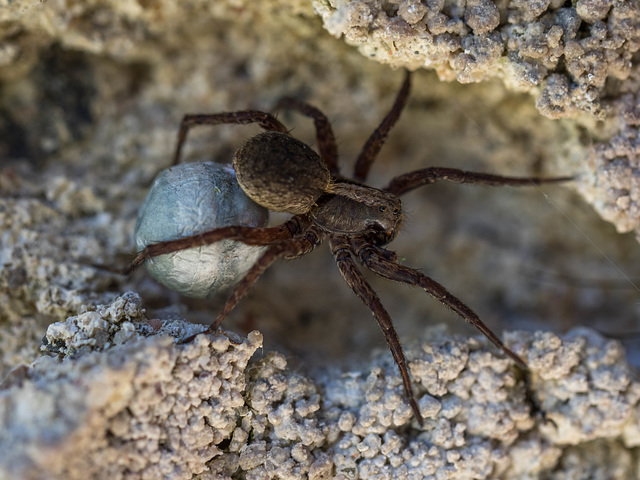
(122, 400)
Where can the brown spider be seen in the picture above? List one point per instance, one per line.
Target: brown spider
(283, 174)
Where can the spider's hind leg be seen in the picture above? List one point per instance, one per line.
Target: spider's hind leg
(288, 248)
(247, 235)
(324, 133)
(244, 117)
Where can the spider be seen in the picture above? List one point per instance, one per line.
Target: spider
(284, 174)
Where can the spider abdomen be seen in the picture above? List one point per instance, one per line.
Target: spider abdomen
(280, 172)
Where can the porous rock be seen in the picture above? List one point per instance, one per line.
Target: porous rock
(151, 408)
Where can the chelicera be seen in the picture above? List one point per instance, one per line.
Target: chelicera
(283, 174)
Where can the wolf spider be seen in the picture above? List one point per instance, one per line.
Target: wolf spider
(283, 174)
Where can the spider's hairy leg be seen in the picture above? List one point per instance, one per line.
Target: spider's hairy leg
(289, 248)
(341, 250)
(246, 235)
(379, 264)
(409, 181)
(374, 143)
(244, 117)
(324, 133)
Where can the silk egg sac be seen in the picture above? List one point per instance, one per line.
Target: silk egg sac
(192, 198)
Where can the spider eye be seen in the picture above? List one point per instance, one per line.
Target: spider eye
(396, 212)
(383, 208)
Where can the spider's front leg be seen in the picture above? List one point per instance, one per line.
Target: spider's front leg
(426, 176)
(374, 143)
(265, 120)
(370, 256)
(247, 235)
(341, 250)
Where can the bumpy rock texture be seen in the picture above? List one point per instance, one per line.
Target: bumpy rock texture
(122, 400)
(614, 187)
(567, 54)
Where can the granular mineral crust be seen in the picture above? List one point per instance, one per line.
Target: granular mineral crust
(613, 184)
(563, 54)
(120, 399)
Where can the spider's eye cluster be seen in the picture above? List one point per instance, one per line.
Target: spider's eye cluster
(396, 211)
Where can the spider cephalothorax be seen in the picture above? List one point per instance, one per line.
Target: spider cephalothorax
(285, 175)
